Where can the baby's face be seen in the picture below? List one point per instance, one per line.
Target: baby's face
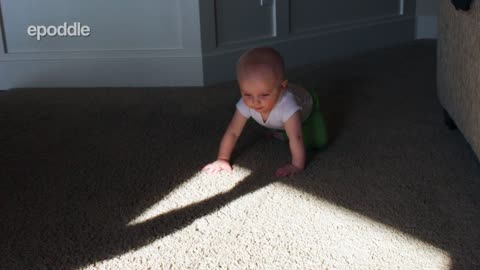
(260, 94)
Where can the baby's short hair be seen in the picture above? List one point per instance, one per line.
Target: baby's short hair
(264, 57)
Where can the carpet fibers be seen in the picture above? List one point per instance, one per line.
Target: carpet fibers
(110, 178)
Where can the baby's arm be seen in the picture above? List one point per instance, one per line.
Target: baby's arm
(293, 127)
(227, 144)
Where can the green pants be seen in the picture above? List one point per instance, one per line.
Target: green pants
(314, 128)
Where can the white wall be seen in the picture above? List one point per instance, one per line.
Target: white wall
(132, 43)
(185, 42)
(426, 25)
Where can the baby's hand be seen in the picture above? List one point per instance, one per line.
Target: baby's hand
(217, 166)
(287, 170)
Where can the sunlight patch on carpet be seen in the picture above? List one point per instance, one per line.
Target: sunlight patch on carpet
(199, 187)
(275, 227)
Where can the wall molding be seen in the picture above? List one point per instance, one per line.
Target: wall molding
(318, 31)
(3, 41)
(348, 24)
(99, 41)
(397, 8)
(322, 44)
(232, 28)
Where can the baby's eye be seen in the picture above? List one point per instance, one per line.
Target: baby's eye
(265, 95)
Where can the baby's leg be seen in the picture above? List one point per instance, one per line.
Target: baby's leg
(314, 128)
(315, 131)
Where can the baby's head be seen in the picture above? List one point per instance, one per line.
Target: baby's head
(261, 77)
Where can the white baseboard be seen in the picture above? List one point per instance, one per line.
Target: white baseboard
(102, 72)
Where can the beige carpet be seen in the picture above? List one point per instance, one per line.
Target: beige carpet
(109, 178)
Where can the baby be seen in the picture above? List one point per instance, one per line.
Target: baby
(268, 98)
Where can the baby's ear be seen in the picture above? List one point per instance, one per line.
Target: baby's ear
(284, 84)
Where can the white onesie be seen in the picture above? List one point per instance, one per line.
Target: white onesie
(295, 98)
